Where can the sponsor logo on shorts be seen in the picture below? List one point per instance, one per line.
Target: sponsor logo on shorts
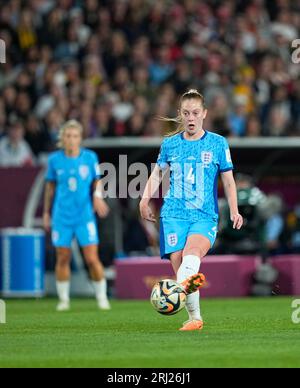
(55, 236)
(92, 231)
(172, 240)
(214, 232)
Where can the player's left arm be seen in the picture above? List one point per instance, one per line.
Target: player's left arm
(231, 195)
(100, 206)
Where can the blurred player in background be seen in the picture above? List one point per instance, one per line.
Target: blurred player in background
(72, 173)
(189, 217)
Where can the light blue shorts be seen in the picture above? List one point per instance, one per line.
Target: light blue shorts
(175, 232)
(86, 234)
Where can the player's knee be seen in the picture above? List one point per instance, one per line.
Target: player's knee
(193, 251)
(92, 260)
(63, 259)
(200, 250)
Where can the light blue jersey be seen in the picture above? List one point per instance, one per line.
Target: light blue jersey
(73, 177)
(191, 204)
(195, 167)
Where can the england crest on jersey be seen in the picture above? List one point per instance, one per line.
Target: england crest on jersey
(206, 158)
(84, 171)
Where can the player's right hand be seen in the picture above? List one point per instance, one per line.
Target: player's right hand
(146, 211)
(47, 222)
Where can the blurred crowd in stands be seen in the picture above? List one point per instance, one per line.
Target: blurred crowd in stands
(117, 65)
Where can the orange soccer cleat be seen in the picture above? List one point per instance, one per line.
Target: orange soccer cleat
(192, 326)
(193, 283)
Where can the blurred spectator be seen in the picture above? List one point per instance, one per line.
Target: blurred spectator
(103, 123)
(238, 118)
(123, 109)
(218, 109)
(162, 67)
(280, 113)
(14, 150)
(26, 30)
(135, 125)
(117, 53)
(274, 224)
(244, 89)
(182, 78)
(253, 126)
(36, 136)
(53, 121)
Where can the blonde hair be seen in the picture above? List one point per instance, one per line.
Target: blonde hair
(190, 94)
(69, 124)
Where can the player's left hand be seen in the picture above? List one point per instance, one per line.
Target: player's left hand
(237, 220)
(101, 207)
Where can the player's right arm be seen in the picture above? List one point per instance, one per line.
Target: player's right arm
(48, 199)
(50, 188)
(150, 190)
(153, 185)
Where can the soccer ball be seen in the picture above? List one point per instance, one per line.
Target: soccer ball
(168, 297)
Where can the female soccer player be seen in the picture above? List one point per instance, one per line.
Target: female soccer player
(189, 217)
(72, 172)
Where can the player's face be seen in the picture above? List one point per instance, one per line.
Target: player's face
(72, 139)
(192, 114)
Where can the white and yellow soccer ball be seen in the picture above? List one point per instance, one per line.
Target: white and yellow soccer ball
(168, 297)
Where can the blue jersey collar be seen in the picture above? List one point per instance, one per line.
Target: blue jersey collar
(194, 141)
(71, 157)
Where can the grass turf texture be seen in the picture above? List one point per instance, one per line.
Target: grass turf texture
(238, 333)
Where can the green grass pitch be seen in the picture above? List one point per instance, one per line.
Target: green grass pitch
(238, 333)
